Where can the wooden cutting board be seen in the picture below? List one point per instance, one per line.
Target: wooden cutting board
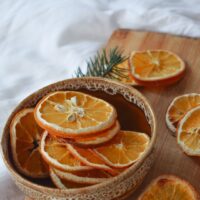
(169, 158)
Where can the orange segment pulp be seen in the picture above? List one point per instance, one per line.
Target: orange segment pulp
(125, 149)
(55, 152)
(179, 107)
(168, 187)
(188, 132)
(156, 67)
(71, 114)
(25, 137)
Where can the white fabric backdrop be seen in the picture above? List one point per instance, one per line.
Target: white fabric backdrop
(42, 41)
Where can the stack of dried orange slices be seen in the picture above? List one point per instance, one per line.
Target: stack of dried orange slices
(183, 118)
(74, 137)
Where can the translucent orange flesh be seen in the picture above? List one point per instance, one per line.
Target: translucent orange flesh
(28, 135)
(125, 148)
(58, 108)
(153, 64)
(181, 107)
(57, 149)
(190, 133)
(166, 189)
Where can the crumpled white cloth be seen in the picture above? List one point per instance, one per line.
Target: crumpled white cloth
(43, 41)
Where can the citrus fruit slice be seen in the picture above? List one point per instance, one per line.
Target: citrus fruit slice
(124, 149)
(55, 152)
(93, 176)
(179, 107)
(25, 136)
(188, 132)
(88, 157)
(70, 114)
(64, 184)
(156, 67)
(169, 187)
(97, 139)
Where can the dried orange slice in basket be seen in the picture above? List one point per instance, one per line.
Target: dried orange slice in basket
(188, 132)
(92, 176)
(123, 150)
(96, 139)
(168, 187)
(156, 67)
(65, 184)
(179, 107)
(55, 152)
(71, 114)
(25, 136)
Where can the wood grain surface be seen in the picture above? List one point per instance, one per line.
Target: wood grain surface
(169, 157)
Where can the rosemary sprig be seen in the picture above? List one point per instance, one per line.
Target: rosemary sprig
(103, 66)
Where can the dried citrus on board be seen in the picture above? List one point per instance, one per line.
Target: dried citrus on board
(168, 187)
(88, 157)
(156, 67)
(70, 114)
(92, 176)
(96, 139)
(55, 152)
(25, 136)
(188, 132)
(123, 150)
(64, 184)
(179, 107)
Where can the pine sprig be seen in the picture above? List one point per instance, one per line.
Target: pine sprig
(105, 66)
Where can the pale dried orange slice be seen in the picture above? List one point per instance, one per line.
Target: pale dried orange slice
(156, 67)
(89, 158)
(55, 152)
(93, 176)
(124, 149)
(169, 187)
(188, 132)
(179, 107)
(97, 139)
(71, 114)
(25, 136)
(65, 184)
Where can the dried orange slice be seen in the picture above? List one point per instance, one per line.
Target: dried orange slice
(70, 114)
(125, 149)
(156, 67)
(169, 187)
(55, 152)
(88, 157)
(25, 136)
(179, 107)
(97, 139)
(93, 176)
(188, 132)
(65, 184)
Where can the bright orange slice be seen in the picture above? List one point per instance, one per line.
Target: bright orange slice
(168, 187)
(97, 139)
(88, 157)
(70, 114)
(25, 137)
(179, 107)
(125, 149)
(188, 132)
(65, 184)
(93, 176)
(156, 67)
(55, 152)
